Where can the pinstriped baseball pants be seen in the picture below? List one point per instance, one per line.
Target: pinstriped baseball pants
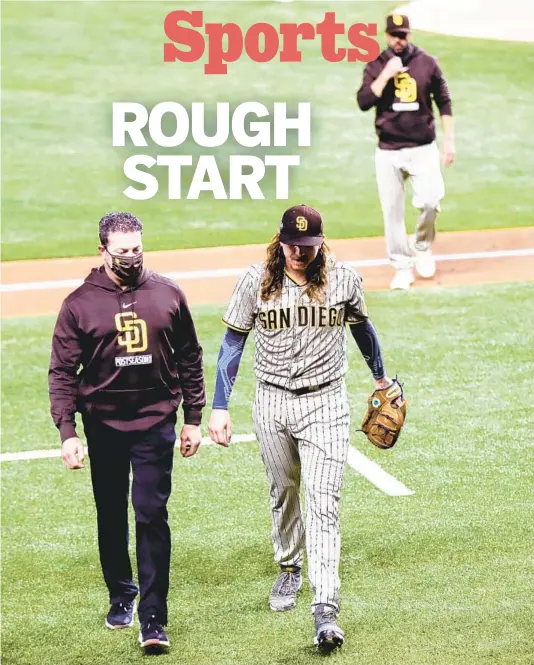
(305, 437)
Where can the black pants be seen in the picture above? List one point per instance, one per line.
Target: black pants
(150, 455)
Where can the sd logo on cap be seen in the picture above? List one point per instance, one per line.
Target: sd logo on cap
(303, 226)
(397, 23)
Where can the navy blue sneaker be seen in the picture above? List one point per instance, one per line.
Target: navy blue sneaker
(152, 637)
(121, 615)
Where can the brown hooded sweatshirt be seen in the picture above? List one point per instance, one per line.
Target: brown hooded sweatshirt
(126, 357)
(404, 115)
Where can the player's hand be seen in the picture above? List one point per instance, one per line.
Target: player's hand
(220, 427)
(448, 153)
(380, 384)
(393, 66)
(72, 452)
(190, 437)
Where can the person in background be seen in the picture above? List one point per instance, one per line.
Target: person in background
(401, 85)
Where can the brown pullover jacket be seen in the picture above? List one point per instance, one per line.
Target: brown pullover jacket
(125, 357)
(404, 115)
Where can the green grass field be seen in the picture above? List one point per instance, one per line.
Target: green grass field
(64, 63)
(444, 577)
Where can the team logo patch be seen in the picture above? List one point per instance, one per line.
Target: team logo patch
(375, 402)
(302, 223)
(135, 335)
(397, 19)
(405, 87)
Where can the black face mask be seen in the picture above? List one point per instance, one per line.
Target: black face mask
(127, 268)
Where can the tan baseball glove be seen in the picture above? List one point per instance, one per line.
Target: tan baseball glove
(385, 416)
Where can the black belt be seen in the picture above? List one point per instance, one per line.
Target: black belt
(301, 391)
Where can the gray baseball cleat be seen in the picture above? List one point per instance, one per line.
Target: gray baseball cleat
(328, 635)
(284, 593)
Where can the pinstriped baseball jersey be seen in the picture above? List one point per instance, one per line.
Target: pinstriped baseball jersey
(299, 342)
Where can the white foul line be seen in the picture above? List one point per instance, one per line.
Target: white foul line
(359, 462)
(376, 474)
(235, 272)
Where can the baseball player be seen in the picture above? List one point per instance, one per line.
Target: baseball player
(298, 302)
(401, 84)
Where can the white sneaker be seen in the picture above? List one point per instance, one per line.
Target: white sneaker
(425, 264)
(403, 280)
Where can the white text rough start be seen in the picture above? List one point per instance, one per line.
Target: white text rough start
(171, 125)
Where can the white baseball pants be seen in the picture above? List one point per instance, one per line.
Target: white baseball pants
(422, 165)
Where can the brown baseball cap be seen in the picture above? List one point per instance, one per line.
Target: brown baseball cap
(397, 23)
(303, 226)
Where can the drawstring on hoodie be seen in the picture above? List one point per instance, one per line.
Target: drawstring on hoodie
(100, 279)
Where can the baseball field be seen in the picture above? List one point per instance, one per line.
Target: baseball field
(442, 574)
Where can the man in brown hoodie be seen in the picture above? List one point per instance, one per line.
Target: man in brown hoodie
(125, 354)
(402, 85)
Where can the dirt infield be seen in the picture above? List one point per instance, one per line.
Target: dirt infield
(460, 261)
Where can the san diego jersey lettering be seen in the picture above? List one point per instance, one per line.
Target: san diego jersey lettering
(299, 342)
